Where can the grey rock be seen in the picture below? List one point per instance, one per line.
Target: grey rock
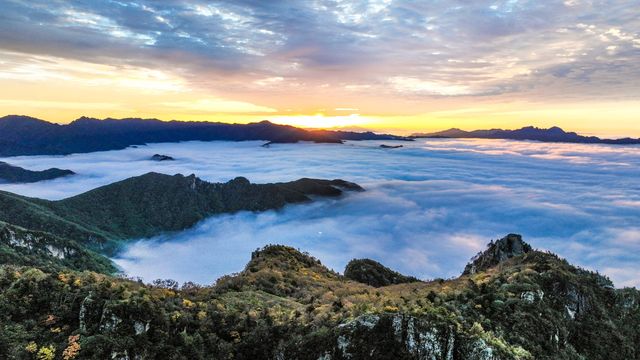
(497, 252)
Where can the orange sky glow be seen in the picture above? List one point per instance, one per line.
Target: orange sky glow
(402, 77)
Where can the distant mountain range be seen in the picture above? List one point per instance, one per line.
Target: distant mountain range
(23, 135)
(553, 134)
(16, 174)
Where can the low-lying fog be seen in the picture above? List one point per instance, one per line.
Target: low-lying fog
(428, 208)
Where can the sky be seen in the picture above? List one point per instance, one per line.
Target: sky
(391, 65)
(427, 209)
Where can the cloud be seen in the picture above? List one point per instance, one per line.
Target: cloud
(428, 208)
(218, 106)
(404, 84)
(61, 104)
(42, 69)
(546, 50)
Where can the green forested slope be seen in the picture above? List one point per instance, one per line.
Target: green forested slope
(373, 273)
(147, 205)
(287, 305)
(46, 251)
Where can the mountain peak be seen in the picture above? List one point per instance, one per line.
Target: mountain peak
(19, 118)
(284, 256)
(555, 130)
(85, 118)
(23, 121)
(373, 273)
(240, 181)
(497, 252)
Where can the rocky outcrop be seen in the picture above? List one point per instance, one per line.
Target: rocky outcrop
(109, 320)
(531, 297)
(373, 273)
(398, 336)
(100, 316)
(160, 157)
(88, 311)
(497, 252)
(141, 327)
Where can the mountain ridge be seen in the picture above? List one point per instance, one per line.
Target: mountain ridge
(552, 134)
(286, 304)
(153, 203)
(24, 135)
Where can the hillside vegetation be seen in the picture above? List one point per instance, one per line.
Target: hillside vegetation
(373, 273)
(153, 203)
(286, 305)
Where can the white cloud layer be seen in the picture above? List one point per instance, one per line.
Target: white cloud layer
(428, 207)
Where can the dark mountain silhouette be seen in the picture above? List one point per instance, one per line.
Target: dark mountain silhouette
(23, 135)
(160, 157)
(16, 174)
(553, 134)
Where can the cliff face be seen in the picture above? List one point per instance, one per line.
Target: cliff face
(398, 336)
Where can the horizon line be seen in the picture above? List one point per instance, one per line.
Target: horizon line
(349, 128)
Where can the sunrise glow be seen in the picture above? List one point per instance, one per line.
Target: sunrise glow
(388, 66)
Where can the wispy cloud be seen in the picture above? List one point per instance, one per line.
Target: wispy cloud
(551, 49)
(218, 106)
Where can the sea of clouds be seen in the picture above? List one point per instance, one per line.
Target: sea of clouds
(428, 208)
